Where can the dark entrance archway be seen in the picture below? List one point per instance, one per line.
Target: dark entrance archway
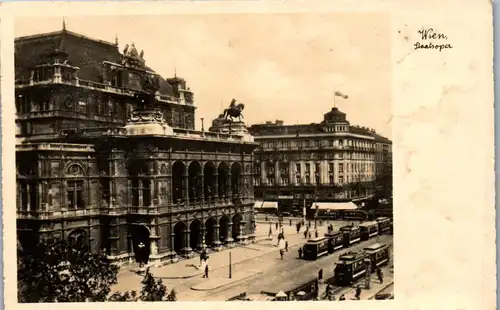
(223, 171)
(179, 238)
(236, 179)
(209, 181)
(78, 239)
(141, 243)
(195, 234)
(194, 181)
(178, 173)
(236, 225)
(210, 231)
(224, 226)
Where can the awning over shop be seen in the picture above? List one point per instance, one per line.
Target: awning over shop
(270, 205)
(334, 206)
(258, 204)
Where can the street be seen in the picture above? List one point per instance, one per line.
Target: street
(253, 267)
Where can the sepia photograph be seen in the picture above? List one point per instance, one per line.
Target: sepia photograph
(117, 171)
(177, 158)
(223, 152)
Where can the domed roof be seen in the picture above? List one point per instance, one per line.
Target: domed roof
(335, 115)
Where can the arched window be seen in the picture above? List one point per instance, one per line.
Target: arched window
(141, 184)
(75, 187)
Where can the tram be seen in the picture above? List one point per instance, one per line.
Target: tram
(316, 247)
(351, 235)
(378, 255)
(350, 268)
(384, 225)
(335, 241)
(368, 230)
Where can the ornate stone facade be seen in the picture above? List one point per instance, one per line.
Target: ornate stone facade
(326, 161)
(121, 172)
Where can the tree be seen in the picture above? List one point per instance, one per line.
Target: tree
(59, 271)
(155, 290)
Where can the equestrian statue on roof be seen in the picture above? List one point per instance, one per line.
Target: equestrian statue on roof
(234, 111)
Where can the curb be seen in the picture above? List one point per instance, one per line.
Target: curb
(227, 284)
(383, 288)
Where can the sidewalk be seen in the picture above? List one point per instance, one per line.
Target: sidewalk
(189, 268)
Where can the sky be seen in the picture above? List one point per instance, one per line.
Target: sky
(284, 67)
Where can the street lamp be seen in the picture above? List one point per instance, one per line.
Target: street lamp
(316, 198)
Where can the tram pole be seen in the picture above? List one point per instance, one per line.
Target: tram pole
(230, 267)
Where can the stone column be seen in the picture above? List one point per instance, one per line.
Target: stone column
(186, 189)
(202, 187)
(242, 237)
(277, 176)
(216, 238)
(229, 239)
(229, 189)
(152, 196)
(263, 173)
(215, 189)
(154, 247)
(140, 185)
(187, 249)
(28, 196)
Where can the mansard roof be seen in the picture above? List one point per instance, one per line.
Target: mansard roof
(86, 53)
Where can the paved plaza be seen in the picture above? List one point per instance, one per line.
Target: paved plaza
(253, 266)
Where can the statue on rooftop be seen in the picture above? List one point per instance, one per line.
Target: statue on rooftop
(234, 110)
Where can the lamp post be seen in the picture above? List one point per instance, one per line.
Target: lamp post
(316, 173)
(230, 266)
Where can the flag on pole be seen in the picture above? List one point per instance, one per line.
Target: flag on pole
(339, 94)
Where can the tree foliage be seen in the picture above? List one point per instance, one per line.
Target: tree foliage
(59, 271)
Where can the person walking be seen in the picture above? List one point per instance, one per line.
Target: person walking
(282, 253)
(290, 222)
(286, 246)
(305, 234)
(380, 275)
(300, 252)
(316, 234)
(206, 272)
(276, 225)
(358, 292)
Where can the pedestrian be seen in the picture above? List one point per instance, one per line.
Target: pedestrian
(276, 225)
(316, 233)
(320, 275)
(206, 271)
(300, 252)
(305, 234)
(290, 222)
(282, 253)
(380, 276)
(342, 297)
(358, 292)
(309, 235)
(286, 246)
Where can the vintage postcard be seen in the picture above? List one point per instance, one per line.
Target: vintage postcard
(248, 151)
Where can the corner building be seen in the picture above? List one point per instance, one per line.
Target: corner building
(107, 155)
(329, 161)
